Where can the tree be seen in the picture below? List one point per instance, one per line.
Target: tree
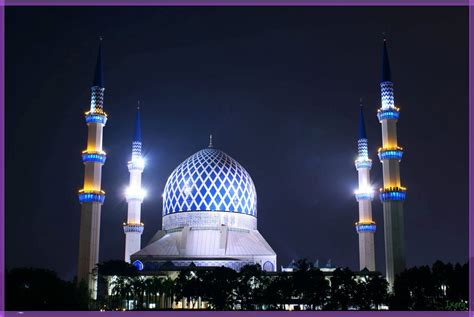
(414, 289)
(377, 291)
(137, 286)
(221, 284)
(278, 291)
(249, 291)
(121, 291)
(41, 289)
(310, 285)
(342, 291)
(167, 290)
(154, 288)
(187, 287)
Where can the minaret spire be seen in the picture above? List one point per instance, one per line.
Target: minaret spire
(365, 227)
(386, 74)
(133, 228)
(210, 141)
(392, 194)
(99, 69)
(91, 196)
(137, 135)
(362, 132)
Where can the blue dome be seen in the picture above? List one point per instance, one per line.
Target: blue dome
(210, 180)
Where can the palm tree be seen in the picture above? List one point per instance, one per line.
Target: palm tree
(120, 290)
(167, 289)
(154, 287)
(249, 285)
(377, 290)
(137, 284)
(343, 288)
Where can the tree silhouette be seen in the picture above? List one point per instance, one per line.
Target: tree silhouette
(221, 285)
(251, 282)
(187, 286)
(41, 289)
(342, 291)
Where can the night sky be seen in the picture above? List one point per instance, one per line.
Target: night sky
(278, 88)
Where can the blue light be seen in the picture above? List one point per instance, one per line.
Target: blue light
(364, 196)
(388, 114)
(138, 264)
(93, 157)
(94, 117)
(210, 180)
(366, 227)
(133, 228)
(363, 164)
(392, 195)
(390, 154)
(91, 197)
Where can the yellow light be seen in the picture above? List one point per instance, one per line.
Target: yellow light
(93, 152)
(369, 222)
(91, 191)
(390, 148)
(97, 111)
(393, 188)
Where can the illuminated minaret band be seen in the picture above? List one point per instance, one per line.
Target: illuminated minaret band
(133, 228)
(365, 227)
(392, 194)
(91, 196)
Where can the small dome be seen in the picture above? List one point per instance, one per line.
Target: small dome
(210, 180)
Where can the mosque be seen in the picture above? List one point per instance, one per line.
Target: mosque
(209, 215)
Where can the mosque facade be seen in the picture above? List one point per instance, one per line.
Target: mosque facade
(209, 212)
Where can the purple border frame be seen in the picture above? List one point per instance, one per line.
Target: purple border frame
(4, 3)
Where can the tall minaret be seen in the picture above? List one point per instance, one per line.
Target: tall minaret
(133, 228)
(365, 227)
(392, 194)
(91, 196)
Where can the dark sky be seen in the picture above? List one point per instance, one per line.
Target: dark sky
(279, 89)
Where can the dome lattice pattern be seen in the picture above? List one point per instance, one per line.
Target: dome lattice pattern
(210, 180)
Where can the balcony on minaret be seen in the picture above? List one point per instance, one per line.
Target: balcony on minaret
(96, 117)
(390, 113)
(364, 193)
(137, 163)
(363, 163)
(390, 153)
(133, 227)
(94, 156)
(365, 226)
(135, 194)
(393, 193)
(87, 196)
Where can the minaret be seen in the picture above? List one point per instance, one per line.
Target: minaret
(133, 228)
(392, 194)
(91, 196)
(365, 227)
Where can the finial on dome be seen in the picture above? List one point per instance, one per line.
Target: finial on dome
(210, 141)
